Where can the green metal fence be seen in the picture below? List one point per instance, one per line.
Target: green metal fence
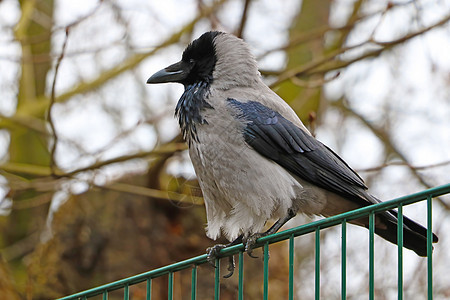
(290, 234)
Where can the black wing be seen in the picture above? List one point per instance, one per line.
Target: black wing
(278, 139)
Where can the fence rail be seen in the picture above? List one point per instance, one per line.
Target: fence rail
(290, 234)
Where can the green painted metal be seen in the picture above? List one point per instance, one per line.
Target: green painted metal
(217, 280)
(371, 256)
(316, 226)
(241, 276)
(194, 283)
(105, 295)
(429, 248)
(400, 252)
(266, 272)
(291, 268)
(170, 291)
(126, 292)
(317, 264)
(149, 289)
(344, 260)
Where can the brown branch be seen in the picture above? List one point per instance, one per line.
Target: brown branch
(311, 84)
(385, 46)
(152, 193)
(405, 164)
(36, 170)
(33, 202)
(129, 63)
(243, 22)
(388, 144)
(20, 248)
(319, 32)
(168, 148)
(22, 168)
(28, 122)
(306, 68)
(50, 120)
(319, 66)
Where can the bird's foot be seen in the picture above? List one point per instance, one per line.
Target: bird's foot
(213, 254)
(250, 243)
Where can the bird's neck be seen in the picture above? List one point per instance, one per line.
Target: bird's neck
(189, 107)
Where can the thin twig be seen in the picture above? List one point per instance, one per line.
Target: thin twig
(52, 102)
(243, 18)
(170, 148)
(319, 66)
(127, 64)
(388, 144)
(152, 193)
(406, 164)
(40, 199)
(37, 170)
(311, 84)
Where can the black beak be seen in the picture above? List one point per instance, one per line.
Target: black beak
(173, 73)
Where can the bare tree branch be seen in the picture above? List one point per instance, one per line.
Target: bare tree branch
(127, 64)
(328, 63)
(241, 27)
(389, 145)
(404, 163)
(36, 170)
(152, 193)
(53, 166)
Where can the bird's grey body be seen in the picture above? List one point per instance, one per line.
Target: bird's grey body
(253, 157)
(241, 188)
(233, 177)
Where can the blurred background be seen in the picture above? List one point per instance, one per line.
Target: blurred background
(95, 180)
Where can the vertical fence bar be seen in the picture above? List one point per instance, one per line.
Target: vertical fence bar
(429, 249)
(291, 267)
(266, 271)
(126, 292)
(344, 260)
(217, 280)
(194, 283)
(149, 289)
(317, 264)
(241, 276)
(371, 256)
(170, 291)
(400, 252)
(105, 295)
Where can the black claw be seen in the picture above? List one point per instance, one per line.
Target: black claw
(250, 253)
(249, 249)
(213, 253)
(250, 244)
(231, 267)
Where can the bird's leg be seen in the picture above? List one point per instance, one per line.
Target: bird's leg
(213, 253)
(250, 242)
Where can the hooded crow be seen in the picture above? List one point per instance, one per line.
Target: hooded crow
(253, 157)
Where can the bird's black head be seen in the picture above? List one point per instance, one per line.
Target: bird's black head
(196, 65)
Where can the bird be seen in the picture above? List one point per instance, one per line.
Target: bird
(254, 158)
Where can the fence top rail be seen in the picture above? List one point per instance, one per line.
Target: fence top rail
(273, 238)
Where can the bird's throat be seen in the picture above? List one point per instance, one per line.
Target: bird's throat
(189, 109)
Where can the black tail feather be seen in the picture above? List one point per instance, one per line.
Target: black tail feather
(414, 234)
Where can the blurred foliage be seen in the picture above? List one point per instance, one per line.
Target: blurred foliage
(142, 219)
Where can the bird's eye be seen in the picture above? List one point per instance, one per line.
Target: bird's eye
(191, 61)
